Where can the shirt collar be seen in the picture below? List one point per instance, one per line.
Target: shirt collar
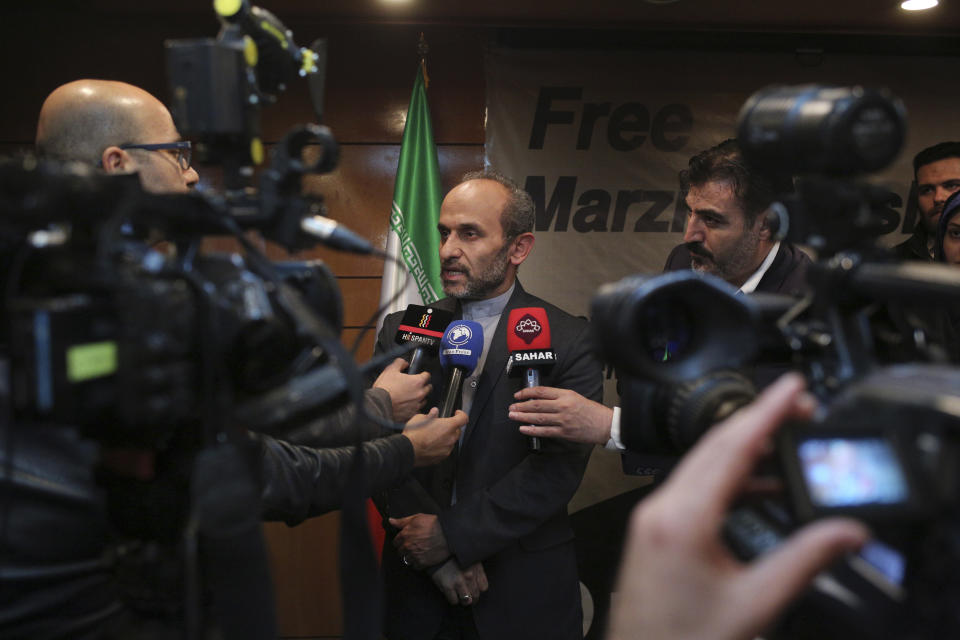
(751, 284)
(476, 309)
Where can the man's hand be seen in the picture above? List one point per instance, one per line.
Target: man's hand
(678, 579)
(561, 413)
(407, 392)
(433, 438)
(460, 587)
(421, 542)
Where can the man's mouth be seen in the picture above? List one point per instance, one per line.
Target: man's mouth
(453, 272)
(697, 252)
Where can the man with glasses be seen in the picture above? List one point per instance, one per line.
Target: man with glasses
(56, 575)
(119, 127)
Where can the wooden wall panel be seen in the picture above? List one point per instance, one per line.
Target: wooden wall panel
(305, 576)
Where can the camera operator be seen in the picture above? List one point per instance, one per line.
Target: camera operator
(56, 578)
(677, 578)
(728, 234)
(124, 129)
(936, 174)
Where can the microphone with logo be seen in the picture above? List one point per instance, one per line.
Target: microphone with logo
(423, 327)
(460, 351)
(528, 341)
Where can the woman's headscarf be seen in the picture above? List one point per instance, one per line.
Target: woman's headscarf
(950, 208)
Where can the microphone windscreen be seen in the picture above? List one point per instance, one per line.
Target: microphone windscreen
(528, 329)
(423, 326)
(462, 345)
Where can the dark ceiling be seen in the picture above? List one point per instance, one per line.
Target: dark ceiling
(804, 16)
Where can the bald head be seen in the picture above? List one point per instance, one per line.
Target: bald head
(91, 121)
(81, 118)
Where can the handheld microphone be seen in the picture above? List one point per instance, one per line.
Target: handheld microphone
(422, 327)
(528, 341)
(460, 351)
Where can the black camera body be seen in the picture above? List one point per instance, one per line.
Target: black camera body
(885, 448)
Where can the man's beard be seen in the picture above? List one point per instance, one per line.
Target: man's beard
(931, 220)
(478, 286)
(731, 267)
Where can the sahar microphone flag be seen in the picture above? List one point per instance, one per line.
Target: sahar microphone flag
(413, 233)
(528, 339)
(531, 352)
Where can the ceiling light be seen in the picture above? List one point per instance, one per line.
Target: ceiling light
(918, 5)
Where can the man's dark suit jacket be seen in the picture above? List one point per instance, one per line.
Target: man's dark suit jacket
(786, 275)
(914, 247)
(511, 509)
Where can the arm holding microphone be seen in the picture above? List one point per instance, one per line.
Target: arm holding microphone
(398, 393)
(549, 412)
(302, 482)
(421, 326)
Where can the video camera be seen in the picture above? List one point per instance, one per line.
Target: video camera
(167, 358)
(885, 447)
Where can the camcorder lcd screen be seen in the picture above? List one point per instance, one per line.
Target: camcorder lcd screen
(852, 472)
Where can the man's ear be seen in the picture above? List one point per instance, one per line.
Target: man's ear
(765, 232)
(520, 248)
(116, 160)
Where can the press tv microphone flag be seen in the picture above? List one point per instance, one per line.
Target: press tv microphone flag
(460, 351)
(423, 327)
(528, 341)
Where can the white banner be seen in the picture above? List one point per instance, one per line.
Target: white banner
(598, 140)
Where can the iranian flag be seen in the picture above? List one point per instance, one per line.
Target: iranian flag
(413, 234)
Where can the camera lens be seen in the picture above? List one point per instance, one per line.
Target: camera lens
(816, 129)
(666, 328)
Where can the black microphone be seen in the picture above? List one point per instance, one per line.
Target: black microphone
(528, 341)
(423, 328)
(460, 352)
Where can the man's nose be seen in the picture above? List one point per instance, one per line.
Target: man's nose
(694, 230)
(191, 177)
(449, 248)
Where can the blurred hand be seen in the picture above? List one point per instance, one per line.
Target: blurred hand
(408, 393)
(433, 438)
(678, 579)
(460, 587)
(421, 541)
(561, 413)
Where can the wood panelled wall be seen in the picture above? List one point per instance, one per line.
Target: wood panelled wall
(370, 74)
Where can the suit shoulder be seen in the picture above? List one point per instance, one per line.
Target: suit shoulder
(560, 319)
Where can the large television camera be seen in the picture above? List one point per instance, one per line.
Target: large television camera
(872, 337)
(164, 355)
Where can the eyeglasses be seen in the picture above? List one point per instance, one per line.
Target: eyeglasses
(182, 148)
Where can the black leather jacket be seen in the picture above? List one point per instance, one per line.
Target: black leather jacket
(56, 572)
